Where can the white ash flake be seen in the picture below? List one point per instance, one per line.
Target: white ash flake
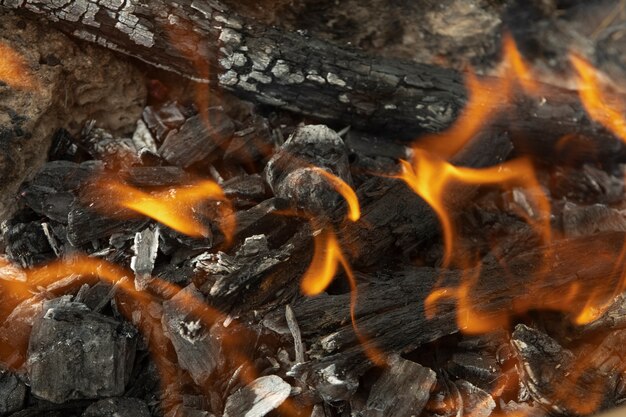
(229, 78)
(129, 24)
(316, 78)
(230, 37)
(344, 98)
(335, 80)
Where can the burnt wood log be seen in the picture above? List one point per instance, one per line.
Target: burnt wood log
(205, 41)
(385, 301)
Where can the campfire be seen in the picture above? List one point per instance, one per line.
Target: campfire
(211, 214)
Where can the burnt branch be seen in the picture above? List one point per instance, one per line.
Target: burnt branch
(204, 41)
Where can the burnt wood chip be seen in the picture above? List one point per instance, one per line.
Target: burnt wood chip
(567, 382)
(12, 392)
(197, 139)
(156, 176)
(403, 389)
(478, 368)
(145, 248)
(27, 244)
(258, 398)
(197, 349)
(118, 407)
(475, 401)
(74, 353)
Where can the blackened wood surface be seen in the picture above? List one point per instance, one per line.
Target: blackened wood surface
(203, 40)
(391, 311)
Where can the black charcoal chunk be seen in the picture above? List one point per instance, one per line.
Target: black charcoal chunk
(251, 143)
(588, 220)
(104, 146)
(245, 190)
(476, 402)
(157, 176)
(196, 347)
(27, 244)
(587, 185)
(481, 369)
(118, 407)
(12, 392)
(86, 224)
(563, 382)
(142, 139)
(74, 353)
(403, 389)
(231, 274)
(145, 251)
(293, 172)
(259, 398)
(197, 139)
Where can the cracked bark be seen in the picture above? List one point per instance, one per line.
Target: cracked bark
(204, 41)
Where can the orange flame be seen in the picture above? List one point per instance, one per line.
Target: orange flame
(486, 98)
(173, 207)
(323, 268)
(13, 68)
(601, 107)
(354, 210)
(428, 176)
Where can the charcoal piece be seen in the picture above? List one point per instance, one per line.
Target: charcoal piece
(197, 139)
(476, 402)
(258, 398)
(478, 368)
(589, 220)
(172, 241)
(27, 244)
(97, 295)
(264, 219)
(74, 353)
(118, 407)
(48, 202)
(64, 175)
(293, 174)
(12, 392)
(233, 273)
(86, 224)
(171, 115)
(613, 317)
(102, 145)
(562, 382)
(157, 176)
(587, 185)
(363, 144)
(196, 347)
(145, 249)
(142, 138)
(16, 329)
(252, 143)
(154, 123)
(245, 190)
(403, 389)
(62, 147)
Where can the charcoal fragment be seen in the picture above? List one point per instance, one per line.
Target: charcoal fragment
(74, 353)
(145, 248)
(118, 407)
(12, 392)
(402, 390)
(588, 220)
(257, 399)
(476, 402)
(27, 244)
(245, 191)
(480, 369)
(197, 349)
(197, 139)
(157, 176)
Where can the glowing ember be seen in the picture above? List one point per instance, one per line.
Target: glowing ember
(601, 106)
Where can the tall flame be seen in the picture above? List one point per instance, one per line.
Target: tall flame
(428, 176)
(601, 106)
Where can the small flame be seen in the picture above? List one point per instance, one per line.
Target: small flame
(428, 176)
(601, 107)
(326, 258)
(354, 210)
(486, 98)
(13, 68)
(173, 207)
